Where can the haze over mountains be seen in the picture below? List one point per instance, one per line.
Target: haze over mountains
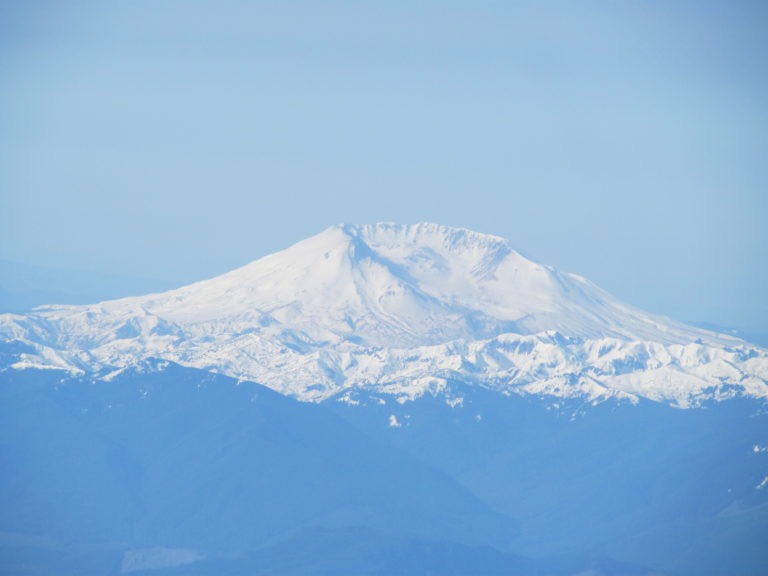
(446, 406)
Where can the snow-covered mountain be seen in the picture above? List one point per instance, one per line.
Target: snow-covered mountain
(400, 310)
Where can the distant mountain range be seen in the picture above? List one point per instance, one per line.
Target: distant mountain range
(403, 310)
(444, 406)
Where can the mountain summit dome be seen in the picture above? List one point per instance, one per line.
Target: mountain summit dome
(381, 304)
(406, 285)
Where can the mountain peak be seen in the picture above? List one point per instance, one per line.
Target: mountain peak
(419, 233)
(393, 238)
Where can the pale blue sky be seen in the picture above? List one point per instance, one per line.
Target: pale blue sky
(625, 141)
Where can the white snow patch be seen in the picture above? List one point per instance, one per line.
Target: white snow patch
(156, 558)
(399, 311)
(454, 402)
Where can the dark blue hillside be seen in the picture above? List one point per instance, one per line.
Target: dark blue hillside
(169, 471)
(673, 489)
(182, 459)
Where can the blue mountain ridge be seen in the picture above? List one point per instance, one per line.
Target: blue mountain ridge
(168, 467)
(131, 474)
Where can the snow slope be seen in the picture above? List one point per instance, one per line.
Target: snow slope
(403, 310)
